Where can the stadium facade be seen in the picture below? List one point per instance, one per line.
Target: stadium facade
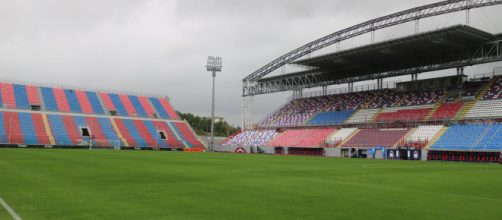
(444, 118)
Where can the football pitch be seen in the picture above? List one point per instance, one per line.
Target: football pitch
(107, 184)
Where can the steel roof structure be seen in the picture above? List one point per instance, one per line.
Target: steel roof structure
(414, 14)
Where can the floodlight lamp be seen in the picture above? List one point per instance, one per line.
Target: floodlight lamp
(214, 64)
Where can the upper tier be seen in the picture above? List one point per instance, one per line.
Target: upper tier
(53, 99)
(389, 105)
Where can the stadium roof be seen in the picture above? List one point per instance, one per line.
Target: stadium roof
(402, 53)
(446, 48)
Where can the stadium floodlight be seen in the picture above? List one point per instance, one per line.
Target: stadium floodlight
(214, 65)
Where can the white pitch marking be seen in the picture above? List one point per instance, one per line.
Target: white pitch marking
(10, 210)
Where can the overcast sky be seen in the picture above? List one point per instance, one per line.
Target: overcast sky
(159, 47)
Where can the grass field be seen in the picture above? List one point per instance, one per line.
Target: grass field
(107, 184)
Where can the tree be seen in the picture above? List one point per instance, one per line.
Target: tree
(202, 125)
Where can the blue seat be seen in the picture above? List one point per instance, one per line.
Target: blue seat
(476, 137)
(331, 118)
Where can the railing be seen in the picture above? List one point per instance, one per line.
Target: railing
(345, 90)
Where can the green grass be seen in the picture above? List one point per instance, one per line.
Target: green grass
(106, 184)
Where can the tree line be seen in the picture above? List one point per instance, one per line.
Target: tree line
(202, 125)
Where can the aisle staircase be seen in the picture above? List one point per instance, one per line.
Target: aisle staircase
(117, 130)
(348, 138)
(48, 128)
(436, 106)
(436, 137)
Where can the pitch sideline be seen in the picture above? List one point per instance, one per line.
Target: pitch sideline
(11, 211)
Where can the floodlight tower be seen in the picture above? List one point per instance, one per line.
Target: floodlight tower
(214, 64)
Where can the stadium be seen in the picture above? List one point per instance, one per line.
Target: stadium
(338, 148)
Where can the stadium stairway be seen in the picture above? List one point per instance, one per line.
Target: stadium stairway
(486, 88)
(432, 111)
(341, 135)
(363, 116)
(464, 110)
(436, 106)
(178, 135)
(436, 137)
(470, 104)
(119, 134)
(354, 133)
(40, 129)
(368, 102)
(48, 128)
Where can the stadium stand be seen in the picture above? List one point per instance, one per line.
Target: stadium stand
(473, 137)
(413, 113)
(422, 135)
(52, 116)
(447, 111)
(363, 116)
(302, 137)
(253, 138)
(341, 135)
(331, 118)
(486, 109)
(495, 91)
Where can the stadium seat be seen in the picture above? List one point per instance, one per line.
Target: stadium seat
(252, 138)
(413, 113)
(302, 138)
(61, 100)
(21, 96)
(33, 93)
(495, 91)
(473, 137)
(486, 109)
(49, 99)
(331, 118)
(8, 98)
(341, 135)
(73, 101)
(447, 111)
(188, 137)
(83, 101)
(376, 137)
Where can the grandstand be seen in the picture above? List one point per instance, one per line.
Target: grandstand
(428, 121)
(445, 117)
(32, 115)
